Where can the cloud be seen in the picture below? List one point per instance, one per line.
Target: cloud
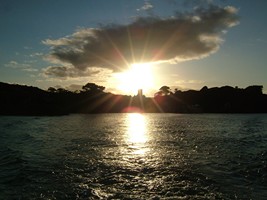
(189, 82)
(68, 71)
(12, 64)
(36, 54)
(147, 6)
(147, 39)
(21, 66)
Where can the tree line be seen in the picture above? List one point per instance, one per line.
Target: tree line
(28, 100)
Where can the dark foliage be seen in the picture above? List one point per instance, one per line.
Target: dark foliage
(25, 100)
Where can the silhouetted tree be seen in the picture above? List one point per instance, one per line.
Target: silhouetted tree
(52, 90)
(92, 87)
(205, 88)
(62, 90)
(254, 89)
(164, 90)
(176, 90)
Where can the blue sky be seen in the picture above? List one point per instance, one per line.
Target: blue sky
(36, 36)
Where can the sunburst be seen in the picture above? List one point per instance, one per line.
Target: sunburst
(139, 76)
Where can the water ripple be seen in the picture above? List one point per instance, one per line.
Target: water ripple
(117, 156)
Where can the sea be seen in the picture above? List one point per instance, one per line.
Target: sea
(134, 156)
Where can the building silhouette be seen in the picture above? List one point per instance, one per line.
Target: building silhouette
(140, 93)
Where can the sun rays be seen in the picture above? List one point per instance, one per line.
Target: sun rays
(139, 76)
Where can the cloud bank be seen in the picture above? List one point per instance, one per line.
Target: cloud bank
(147, 39)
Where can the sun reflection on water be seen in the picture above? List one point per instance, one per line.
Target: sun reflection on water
(136, 134)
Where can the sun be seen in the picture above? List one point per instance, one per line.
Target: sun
(139, 76)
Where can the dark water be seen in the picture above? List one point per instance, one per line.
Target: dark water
(132, 156)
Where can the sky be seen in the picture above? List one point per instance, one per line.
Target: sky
(134, 44)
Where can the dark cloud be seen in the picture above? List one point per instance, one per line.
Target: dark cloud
(147, 39)
(65, 71)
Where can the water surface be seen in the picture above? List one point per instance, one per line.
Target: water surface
(134, 156)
